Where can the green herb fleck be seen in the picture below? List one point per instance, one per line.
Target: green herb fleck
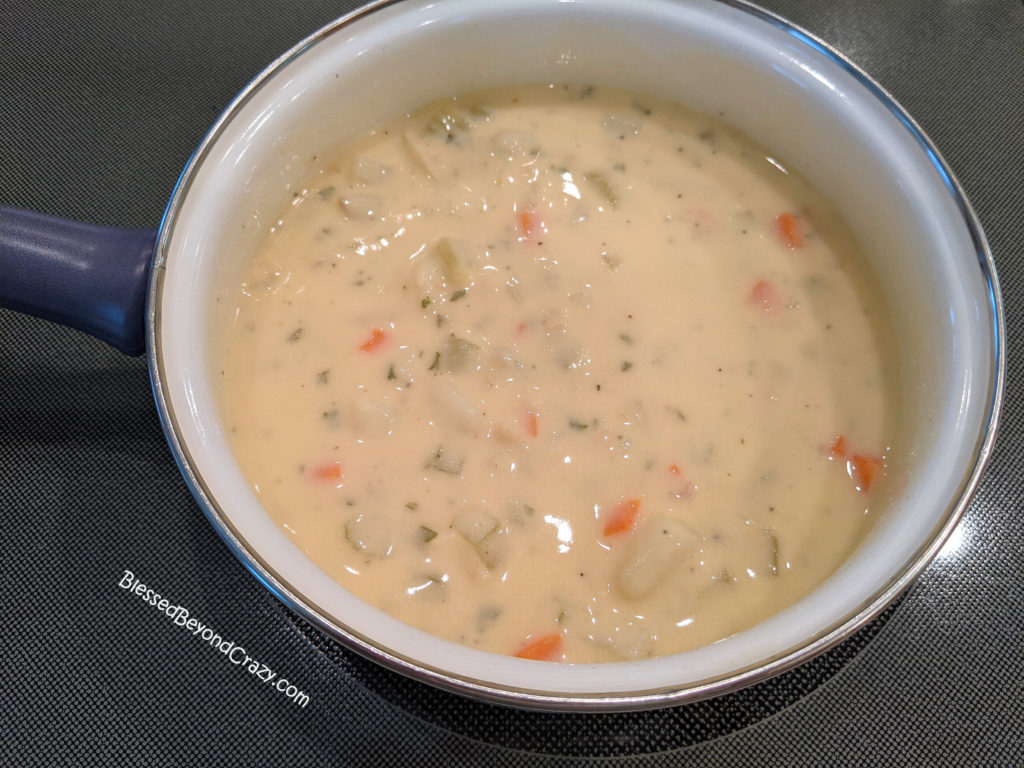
(626, 365)
(324, 376)
(296, 334)
(325, 193)
(626, 338)
(412, 505)
(579, 425)
(391, 373)
(426, 302)
(427, 534)
(458, 294)
(437, 362)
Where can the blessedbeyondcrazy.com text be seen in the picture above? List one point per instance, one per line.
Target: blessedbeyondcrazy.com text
(235, 653)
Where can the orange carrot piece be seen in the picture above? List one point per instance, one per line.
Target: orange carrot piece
(790, 230)
(528, 223)
(376, 338)
(863, 469)
(674, 469)
(531, 425)
(623, 517)
(330, 471)
(764, 296)
(544, 648)
(838, 448)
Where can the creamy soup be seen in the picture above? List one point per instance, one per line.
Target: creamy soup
(565, 373)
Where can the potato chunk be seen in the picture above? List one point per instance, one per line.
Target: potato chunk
(493, 549)
(474, 524)
(456, 409)
(628, 637)
(370, 416)
(660, 544)
(366, 170)
(444, 269)
(362, 207)
(484, 531)
(369, 534)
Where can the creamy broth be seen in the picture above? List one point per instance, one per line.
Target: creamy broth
(568, 373)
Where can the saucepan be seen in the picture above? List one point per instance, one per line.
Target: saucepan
(161, 293)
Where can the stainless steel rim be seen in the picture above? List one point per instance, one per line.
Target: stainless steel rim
(596, 702)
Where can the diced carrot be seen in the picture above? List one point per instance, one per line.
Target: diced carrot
(790, 230)
(674, 469)
(521, 328)
(375, 340)
(531, 425)
(764, 296)
(332, 470)
(863, 470)
(544, 648)
(528, 223)
(838, 448)
(623, 517)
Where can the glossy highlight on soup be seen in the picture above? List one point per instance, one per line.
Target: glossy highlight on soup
(563, 372)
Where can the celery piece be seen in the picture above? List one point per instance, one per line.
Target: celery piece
(460, 355)
(454, 270)
(773, 551)
(443, 461)
(600, 183)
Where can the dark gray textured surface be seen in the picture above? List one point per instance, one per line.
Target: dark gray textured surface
(100, 106)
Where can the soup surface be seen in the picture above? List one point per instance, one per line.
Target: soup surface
(562, 372)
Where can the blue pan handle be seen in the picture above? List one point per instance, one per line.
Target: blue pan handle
(81, 275)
